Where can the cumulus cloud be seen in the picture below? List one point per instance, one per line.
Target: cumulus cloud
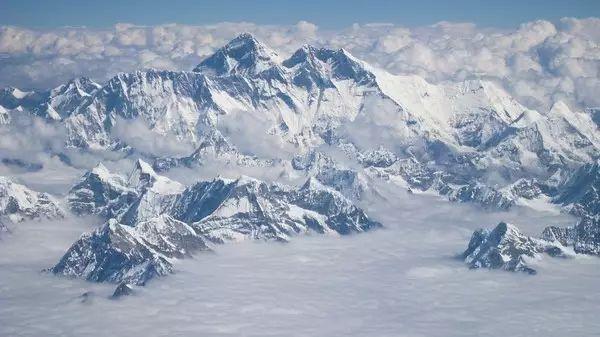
(539, 62)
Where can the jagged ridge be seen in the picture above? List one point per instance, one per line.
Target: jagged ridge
(152, 220)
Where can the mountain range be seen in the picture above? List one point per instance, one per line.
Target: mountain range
(320, 116)
(151, 220)
(471, 134)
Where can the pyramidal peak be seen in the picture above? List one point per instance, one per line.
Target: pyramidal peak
(305, 54)
(82, 85)
(143, 176)
(244, 42)
(243, 55)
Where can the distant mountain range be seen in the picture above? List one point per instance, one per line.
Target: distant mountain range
(347, 123)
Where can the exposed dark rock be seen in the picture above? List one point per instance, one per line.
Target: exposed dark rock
(502, 248)
(123, 289)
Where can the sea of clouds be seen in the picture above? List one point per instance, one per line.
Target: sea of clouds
(539, 62)
(403, 280)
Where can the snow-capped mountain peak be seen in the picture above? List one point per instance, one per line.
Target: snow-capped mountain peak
(324, 64)
(143, 177)
(305, 54)
(244, 55)
(19, 203)
(82, 86)
(146, 228)
(318, 95)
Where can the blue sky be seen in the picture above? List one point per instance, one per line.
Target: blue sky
(326, 14)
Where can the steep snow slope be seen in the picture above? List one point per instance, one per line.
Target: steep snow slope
(19, 203)
(120, 253)
(152, 220)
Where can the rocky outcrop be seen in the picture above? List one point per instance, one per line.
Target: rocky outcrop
(246, 208)
(327, 171)
(581, 192)
(504, 247)
(119, 253)
(123, 289)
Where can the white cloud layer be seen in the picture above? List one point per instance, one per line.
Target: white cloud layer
(399, 281)
(540, 62)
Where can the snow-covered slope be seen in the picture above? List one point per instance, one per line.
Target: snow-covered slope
(506, 248)
(327, 171)
(213, 147)
(580, 193)
(152, 219)
(243, 55)
(19, 203)
(584, 236)
(473, 132)
(224, 210)
(54, 104)
(100, 192)
(141, 196)
(257, 210)
(306, 96)
(120, 253)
